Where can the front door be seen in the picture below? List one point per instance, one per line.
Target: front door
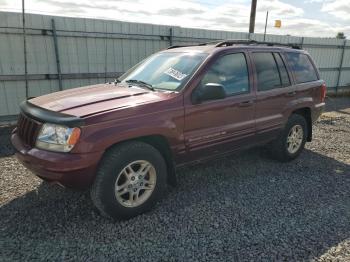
(217, 126)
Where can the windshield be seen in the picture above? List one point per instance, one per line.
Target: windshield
(169, 71)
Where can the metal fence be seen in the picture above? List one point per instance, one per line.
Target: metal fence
(64, 52)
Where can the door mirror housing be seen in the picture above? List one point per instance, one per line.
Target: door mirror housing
(210, 91)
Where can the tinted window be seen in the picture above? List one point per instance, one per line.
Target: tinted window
(230, 71)
(304, 71)
(282, 70)
(267, 71)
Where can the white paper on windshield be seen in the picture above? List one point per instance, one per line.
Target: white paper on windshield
(175, 74)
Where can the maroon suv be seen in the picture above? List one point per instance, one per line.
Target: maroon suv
(125, 139)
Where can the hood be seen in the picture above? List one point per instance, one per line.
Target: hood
(89, 100)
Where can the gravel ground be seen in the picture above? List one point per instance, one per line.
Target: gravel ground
(5, 144)
(241, 208)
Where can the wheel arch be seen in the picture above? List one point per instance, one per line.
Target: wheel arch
(160, 143)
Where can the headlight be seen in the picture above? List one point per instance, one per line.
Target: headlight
(57, 138)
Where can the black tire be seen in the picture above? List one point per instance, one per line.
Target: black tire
(279, 148)
(114, 161)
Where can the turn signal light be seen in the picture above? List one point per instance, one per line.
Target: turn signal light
(74, 137)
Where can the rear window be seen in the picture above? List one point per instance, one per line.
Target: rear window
(267, 71)
(302, 67)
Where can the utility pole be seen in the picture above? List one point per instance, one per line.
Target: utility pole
(25, 50)
(252, 16)
(267, 17)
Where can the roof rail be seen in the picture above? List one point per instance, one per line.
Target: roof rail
(200, 44)
(253, 42)
(235, 42)
(230, 42)
(177, 46)
(172, 46)
(291, 45)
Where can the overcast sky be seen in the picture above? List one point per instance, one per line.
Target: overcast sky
(300, 17)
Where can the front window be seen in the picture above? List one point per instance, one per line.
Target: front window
(169, 71)
(231, 72)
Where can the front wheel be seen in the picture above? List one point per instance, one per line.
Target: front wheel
(130, 180)
(291, 140)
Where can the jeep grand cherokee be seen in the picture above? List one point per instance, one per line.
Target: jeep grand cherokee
(124, 140)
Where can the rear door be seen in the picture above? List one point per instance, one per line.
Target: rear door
(274, 91)
(217, 126)
(307, 83)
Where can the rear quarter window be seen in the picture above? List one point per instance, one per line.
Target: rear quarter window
(302, 67)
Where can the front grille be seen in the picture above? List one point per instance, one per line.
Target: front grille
(27, 129)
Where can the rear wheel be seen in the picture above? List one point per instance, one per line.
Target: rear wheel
(291, 140)
(130, 180)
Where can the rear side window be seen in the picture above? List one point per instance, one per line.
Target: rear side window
(302, 67)
(282, 70)
(231, 71)
(267, 72)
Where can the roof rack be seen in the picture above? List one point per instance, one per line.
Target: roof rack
(253, 42)
(230, 42)
(200, 44)
(177, 46)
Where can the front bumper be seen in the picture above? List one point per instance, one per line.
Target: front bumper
(68, 169)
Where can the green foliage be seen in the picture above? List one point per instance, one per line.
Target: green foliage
(340, 35)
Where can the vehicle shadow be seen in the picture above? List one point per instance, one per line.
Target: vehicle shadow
(241, 207)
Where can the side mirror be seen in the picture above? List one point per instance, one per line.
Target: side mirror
(211, 91)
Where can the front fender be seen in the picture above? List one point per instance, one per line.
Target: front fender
(99, 137)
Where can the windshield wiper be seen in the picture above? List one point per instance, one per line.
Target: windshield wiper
(140, 83)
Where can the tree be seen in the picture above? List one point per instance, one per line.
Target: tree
(340, 35)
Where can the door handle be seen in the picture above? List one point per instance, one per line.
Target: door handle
(246, 103)
(293, 93)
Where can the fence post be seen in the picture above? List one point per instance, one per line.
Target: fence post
(340, 67)
(170, 36)
(106, 54)
(25, 50)
(302, 42)
(54, 34)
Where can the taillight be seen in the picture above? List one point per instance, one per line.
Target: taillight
(323, 92)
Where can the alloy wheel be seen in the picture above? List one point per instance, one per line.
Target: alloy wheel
(135, 183)
(295, 139)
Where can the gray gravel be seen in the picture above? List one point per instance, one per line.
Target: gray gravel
(241, 208)
(6, 148)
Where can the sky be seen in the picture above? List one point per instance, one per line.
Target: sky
(316, 18)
